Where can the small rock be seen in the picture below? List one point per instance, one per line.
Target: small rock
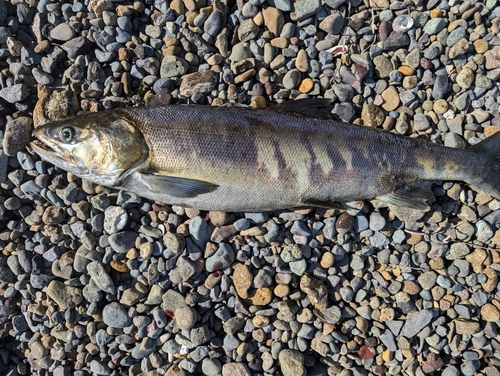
(101, 277)
(198, 82)
(292, 363)
(173, 66)
(185, 317)
(62, 32)
(221, 259)
(115, 315)
(17, 136)
(14, 93)
(315, 290)
(64, 296)
(416, 322)
(248, 30)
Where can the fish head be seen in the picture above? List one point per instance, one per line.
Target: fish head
(99, 147)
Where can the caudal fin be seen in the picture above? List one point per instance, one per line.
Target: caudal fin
(489, 179)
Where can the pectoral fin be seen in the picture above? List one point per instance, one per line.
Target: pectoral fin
(175, 186)
(414, 197)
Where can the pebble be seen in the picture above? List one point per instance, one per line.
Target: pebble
(115, 315)
(185, 317)
(62, 32)
(415, 323)
(122, 242)
(115, 219)
(101, 277)
(172, 66)
(14, 93)
(17, 135)
(292, 362)
(211, 367)
(64, 296)
(199, 231)
(236, 368)
(221, 259)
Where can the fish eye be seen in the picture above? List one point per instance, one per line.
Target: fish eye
(67, 134)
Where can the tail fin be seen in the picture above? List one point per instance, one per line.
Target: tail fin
(489, 179)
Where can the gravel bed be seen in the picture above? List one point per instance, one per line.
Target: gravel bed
(99, 282)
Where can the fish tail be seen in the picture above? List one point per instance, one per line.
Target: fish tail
(488, 176)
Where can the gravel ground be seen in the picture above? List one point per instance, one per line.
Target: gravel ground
(99, 282)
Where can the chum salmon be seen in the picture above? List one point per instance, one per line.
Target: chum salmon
(236, 159)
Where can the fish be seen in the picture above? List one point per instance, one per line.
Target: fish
(291, 155)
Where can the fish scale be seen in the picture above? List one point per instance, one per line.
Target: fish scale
(235, 159)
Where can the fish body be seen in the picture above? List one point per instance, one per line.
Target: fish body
(234, 159)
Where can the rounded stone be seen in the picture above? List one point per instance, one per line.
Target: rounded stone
(115, 315)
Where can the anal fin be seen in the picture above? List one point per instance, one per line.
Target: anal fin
(413, 197)
(328, 204)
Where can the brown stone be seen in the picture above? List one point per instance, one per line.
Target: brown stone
(306, 85)
(302, 63)
(477, 259)
(259, 102)
(67, 258)
(391, 98)
(327, 260)
(366, 352)
(490, 313)
(344, 223)
(463, 326)
(119, 266)
(406, 70)
(411, 287)
(436, 13)
(387, 314)
(281, 290)
(481, 46)
(178, 7)
(273, 20)
(492, 281)
(372, 115)
(490, 130)
(261, 296)
(315, 290)
(198, 82)
(279, 42)
(242, 279)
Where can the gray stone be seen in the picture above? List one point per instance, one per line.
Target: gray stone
(211, 367)
(17, 136)
(304, 9)
(434, 25)
(101, 277)
(14, 93)
(115, 315)
(416, 322)
(122, 242)
(173, 66)
(115, 219)
(200, 231)
(221, 259)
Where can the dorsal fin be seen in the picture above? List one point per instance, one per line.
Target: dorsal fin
(317, 108)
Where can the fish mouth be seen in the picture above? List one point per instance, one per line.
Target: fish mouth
(56, 155)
